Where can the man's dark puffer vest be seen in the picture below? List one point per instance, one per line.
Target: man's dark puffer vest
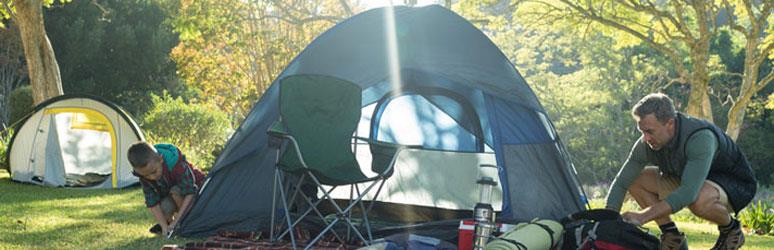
(729, 168)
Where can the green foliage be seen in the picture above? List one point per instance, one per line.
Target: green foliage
(6, 14)
(21, 103)
(116, 49)
(198, 130)
(5, 140)
(586, 85)
(757, 140)
(232, 50)
(759, 217)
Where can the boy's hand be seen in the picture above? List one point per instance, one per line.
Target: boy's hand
(164, 231)
(168, 233)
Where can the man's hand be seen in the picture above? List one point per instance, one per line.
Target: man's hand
(648, 214)
(634, 218)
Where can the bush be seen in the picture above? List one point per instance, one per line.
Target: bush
(198, 130)
(759, 217)
(5, 140)
(21, 103)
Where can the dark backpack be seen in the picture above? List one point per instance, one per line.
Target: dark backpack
(604, 229)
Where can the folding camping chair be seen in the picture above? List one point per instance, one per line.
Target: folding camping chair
(313, 137)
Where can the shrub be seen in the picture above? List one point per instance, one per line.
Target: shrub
(21, 103)
(199, 130)
(5, 140)
(759, 217)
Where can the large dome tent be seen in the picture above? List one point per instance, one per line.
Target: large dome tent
(74, 141)
(460, 99)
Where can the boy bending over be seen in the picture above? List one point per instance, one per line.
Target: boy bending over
(169, 182)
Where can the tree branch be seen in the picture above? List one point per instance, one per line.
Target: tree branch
(764, 54)
(610, 23)
(346, 7)
(7, 6)
(765, 81)
(731, 22)
(299, 21)
(680, 20)
(748, 9)
(651, 8)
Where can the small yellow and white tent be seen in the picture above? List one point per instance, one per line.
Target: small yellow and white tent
(74, 141)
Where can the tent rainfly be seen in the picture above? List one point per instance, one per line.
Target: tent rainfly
(435, 81)
(74, 141)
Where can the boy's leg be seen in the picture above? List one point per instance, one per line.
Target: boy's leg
(176, 199)
(169, 207)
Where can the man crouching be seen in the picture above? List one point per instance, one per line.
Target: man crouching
(696, 165)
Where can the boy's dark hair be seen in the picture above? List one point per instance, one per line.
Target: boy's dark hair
(140, 153)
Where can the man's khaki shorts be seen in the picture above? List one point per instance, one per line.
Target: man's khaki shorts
(668, 184)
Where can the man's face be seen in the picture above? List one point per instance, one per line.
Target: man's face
(151, 171)
(655, 133)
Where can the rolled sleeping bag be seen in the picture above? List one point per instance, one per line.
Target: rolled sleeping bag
(537, 234)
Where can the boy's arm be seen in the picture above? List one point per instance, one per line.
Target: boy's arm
(160, 218)
(187, 200)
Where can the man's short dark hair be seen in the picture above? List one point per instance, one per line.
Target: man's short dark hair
(658, 104)
(140, 153)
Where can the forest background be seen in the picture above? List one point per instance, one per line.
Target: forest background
(190, 70)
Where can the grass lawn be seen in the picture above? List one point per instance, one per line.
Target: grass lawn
(35, 217)
(58, 218)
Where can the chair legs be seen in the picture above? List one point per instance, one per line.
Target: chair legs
(341, 214)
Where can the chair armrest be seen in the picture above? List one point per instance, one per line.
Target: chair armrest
(277, 133)
(384, 155)
(277, 129)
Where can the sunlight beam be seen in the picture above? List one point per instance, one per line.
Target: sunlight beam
(392, 48)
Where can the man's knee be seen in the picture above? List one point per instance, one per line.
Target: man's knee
(647, 180)
(707, 200)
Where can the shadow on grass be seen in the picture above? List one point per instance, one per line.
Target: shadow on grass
(25, 192)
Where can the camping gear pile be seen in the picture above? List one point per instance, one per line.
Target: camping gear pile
(74, 141)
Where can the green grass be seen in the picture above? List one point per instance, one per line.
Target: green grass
(700, 233)
(35, 217)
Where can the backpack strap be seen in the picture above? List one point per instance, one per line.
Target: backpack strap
(518, 245)
(594, 215)
(590, 237)
(548, 230)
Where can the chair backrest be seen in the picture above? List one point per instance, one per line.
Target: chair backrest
(321, 113)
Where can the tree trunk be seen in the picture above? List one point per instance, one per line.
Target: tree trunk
(41, 62)
(698, 101)
(746, 91)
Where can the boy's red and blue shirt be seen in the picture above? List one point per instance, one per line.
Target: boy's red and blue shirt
(176, 172)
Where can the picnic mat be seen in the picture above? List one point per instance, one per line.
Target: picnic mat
(247, 241)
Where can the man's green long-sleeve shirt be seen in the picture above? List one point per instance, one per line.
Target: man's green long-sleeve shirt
(700, 151)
